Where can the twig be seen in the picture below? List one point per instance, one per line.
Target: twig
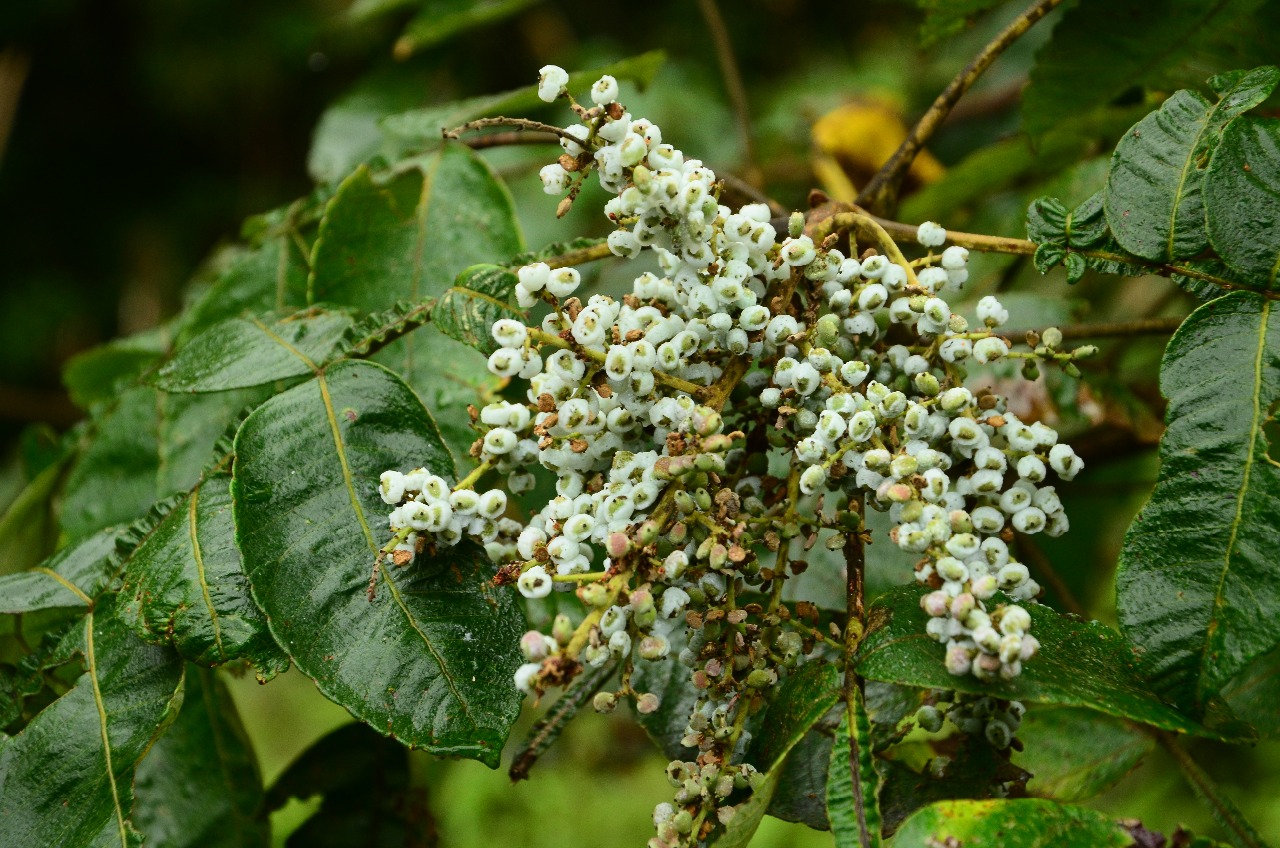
(732, 83)
(519, 124)
(507, 139)
(881, 194)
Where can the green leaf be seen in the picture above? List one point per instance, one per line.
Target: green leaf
(199, 786)
(1154, 198)
(946, 18)
(440, 20)
(270, 276)
(1080, 664)
(430, 659)
(1252, 696)
(1100, 48)
(72, 577)
(150, 446)
(67, 778)
(467, 311)
(420, 127)
(98, 374)
(184, 585)
(1074, 753)
(406, 236)
(29, 527)
(1024, 823)
(802, 787)
(368, 798)
(1242, 199)
(1198, 586)
(853, 807)
(802, 699)
(244, 352)
(1048, 221)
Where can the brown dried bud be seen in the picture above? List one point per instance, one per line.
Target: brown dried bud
(564, 206)
(546, 403)
(578, 445)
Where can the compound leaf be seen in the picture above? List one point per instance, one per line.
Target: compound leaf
(1198, 585)
(430, 658)
(405, 236)
(1154, 193)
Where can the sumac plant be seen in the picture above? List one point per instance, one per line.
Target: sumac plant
(660, 491)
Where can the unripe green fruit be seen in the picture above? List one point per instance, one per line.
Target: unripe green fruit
(604, 702)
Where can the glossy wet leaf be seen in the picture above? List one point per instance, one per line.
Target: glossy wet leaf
(67, 778)
(1075, 753)
(404, 237)
(1080, 664)
(245, 352)
(1199, 583)
(430, 659)
(1100, 48)
(1023, 823)
(199, 786)
(367, 796)
(802, 699)
(467, 311)
(1154, 193)
(72, 577)
(1242, 199)
(853, 806)
(184, 584)
(267, 276)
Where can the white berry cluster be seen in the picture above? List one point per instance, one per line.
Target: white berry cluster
(850, 368)
(427, 508)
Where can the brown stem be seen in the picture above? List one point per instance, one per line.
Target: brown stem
(732, 83)
(518, 124)
(507, 139)
(881, 194)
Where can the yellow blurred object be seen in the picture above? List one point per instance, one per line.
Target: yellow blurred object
(850, 144)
